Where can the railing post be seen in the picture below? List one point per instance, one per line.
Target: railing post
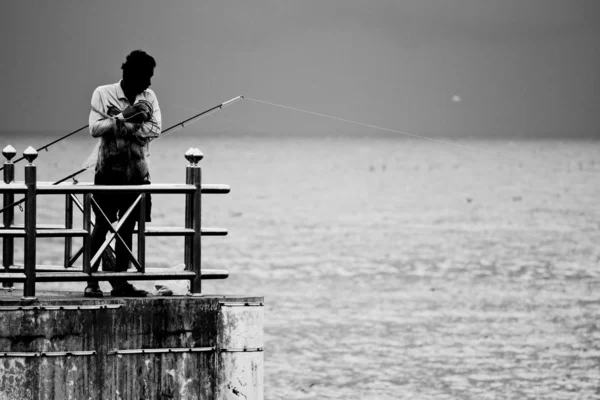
(197, 248)
(193, 218)
(30, 224)
(142, 233)
(8, 243)
(188, 223)
(87, 239)
(68, 225)
(197, 241)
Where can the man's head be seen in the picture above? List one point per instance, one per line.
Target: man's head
(138, 70)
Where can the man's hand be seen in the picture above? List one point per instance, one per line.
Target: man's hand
(138, 113)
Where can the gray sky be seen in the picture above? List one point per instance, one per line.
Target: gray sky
(520, 67)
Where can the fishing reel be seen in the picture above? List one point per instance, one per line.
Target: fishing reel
(139, 113)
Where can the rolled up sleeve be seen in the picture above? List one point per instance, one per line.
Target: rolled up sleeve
(99, 124)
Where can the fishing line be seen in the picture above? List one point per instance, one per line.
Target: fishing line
(363, 124)
(478, 150)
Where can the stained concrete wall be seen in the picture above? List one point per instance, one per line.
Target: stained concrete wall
(240, 370)
(224, 333)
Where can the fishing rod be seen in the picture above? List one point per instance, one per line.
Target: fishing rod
(50, 144)
(167, 131)
(196, 117)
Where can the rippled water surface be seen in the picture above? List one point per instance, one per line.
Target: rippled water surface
(395, 269)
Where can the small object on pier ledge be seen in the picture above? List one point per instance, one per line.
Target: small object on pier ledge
(30, 154)
(9, 152)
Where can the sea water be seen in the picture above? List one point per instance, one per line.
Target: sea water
(391, 268)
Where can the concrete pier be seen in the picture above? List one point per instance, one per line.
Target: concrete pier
(64, 346)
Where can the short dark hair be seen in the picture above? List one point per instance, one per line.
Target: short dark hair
(138, 60)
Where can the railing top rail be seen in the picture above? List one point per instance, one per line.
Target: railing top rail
(151, 188)
(13, 187)
(215, 188)
(87, 187)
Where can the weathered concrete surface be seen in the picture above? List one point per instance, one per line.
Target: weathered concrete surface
(241, 372)
(241, 375)
(241, 326)
(149, 323)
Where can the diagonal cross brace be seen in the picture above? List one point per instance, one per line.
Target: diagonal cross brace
(115, 233)
(79, 252)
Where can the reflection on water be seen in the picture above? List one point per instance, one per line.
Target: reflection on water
(395, 269)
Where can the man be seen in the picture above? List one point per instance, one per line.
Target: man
(125, 116)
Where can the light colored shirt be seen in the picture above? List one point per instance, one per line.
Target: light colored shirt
(122, 145)
(113, 95)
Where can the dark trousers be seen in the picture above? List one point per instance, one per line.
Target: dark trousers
(114, 206)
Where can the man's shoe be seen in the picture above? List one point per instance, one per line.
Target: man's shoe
(92, 291)
(128, 291)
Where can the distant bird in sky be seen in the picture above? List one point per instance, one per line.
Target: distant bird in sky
(456, 99)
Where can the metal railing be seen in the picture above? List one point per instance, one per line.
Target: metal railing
(29, 273)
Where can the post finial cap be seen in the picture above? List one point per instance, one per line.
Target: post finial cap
(193, 155)
(197, 155)
(30, 154)
(189, 155)
(9, 152)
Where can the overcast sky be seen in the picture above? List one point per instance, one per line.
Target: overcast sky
(519, 67)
